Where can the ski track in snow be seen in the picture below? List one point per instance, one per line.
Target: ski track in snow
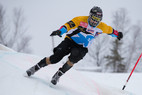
(13, 65)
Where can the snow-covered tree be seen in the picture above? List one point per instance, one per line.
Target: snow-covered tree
(115, 59)
(120, 22)
(3, 26)
(97, 49)
(135, 46)
(13, 34)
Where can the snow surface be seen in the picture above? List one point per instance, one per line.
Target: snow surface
(12, 82)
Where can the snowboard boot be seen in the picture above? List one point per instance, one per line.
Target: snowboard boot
(36, 67)
(56, 77)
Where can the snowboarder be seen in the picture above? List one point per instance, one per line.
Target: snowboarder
(80, 32)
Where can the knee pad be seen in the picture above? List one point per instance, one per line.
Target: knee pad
(54, 59)
(77, 54)
(74, 55)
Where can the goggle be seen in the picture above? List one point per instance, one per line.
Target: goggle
(94, 18)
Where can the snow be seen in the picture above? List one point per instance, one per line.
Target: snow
(4, 48)
(12, 82)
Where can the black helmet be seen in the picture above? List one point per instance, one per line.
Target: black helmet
(95, 16)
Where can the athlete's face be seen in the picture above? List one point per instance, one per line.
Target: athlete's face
(94, 20)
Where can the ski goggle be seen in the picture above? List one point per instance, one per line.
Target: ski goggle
(94, 18)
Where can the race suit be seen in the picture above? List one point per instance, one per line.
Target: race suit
(79, 30)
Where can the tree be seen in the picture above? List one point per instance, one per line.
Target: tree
(19, 40)
(96, 49)
(121, 20)
(115, 60)
(121, 23)
(131, 47)
(3, 26)
(135, 46)
(15, 38)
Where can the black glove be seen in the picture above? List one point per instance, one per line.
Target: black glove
(120, 35)
(57, 32)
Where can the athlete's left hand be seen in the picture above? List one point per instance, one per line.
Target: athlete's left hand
(120, 35)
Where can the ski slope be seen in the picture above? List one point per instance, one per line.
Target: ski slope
(12, 82)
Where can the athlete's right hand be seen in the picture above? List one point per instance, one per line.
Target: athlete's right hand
(57, 32)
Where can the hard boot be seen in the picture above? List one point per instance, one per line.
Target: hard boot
(56, 77)
(36, 67)
(60, 72)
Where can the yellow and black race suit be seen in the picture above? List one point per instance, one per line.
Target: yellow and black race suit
(79, 30)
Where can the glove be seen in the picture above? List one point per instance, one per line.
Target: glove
(57, 32)
(120, 35)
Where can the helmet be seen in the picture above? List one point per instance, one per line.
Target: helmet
(95, 16)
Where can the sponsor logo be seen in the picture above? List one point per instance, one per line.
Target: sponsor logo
(71, 24)
(90, 30)
(83, 24)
